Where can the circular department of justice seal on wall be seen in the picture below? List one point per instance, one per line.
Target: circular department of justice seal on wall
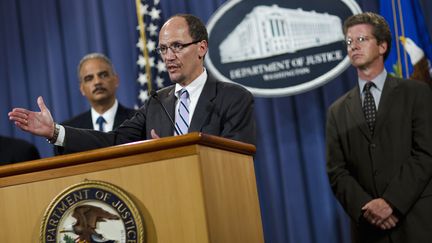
(279, 47)
(92, 212)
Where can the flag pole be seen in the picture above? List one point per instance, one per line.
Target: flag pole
(396, 30)
(143, 40)
(403, 34)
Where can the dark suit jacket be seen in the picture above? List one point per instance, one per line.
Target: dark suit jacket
(16, 150)
(395, 163)
(223, 109)
(84, 120)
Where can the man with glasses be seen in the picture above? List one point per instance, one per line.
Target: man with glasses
(196, 100)
(379, 143)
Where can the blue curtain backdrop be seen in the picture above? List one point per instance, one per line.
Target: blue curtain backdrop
(41, 43)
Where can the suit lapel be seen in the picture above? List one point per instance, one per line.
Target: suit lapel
(385, 102)
(355, 108)
(204, 106)
(168, 101)
(119, 116)
(87, 122)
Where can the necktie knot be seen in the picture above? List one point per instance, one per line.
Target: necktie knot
(368, 86)
(184, 94)
(100, 121)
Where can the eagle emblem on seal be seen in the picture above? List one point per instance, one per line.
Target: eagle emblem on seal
(87, 217)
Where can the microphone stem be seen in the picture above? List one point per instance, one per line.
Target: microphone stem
(155, 96)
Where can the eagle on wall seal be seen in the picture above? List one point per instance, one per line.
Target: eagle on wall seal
(87, 217)
(92, 212)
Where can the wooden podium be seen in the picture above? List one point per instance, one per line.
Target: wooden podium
(190, 188)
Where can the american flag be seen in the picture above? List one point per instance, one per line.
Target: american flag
(152, 74)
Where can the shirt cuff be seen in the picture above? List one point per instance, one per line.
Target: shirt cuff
(61, 136)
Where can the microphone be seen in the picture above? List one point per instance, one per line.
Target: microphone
(155, 96)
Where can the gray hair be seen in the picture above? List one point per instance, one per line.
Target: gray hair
(94, 55)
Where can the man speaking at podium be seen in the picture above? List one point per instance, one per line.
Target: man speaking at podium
(197, 101)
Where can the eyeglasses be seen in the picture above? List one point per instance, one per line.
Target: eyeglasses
(175, 47)
(359, 40)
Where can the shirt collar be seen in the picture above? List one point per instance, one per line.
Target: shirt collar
(194, 86)
(378, 81)
(109, 115)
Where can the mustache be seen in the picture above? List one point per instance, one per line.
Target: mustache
(98, 88)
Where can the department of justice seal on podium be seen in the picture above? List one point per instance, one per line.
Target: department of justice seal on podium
(90, 212)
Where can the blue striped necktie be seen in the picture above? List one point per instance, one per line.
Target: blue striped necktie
(182, 113)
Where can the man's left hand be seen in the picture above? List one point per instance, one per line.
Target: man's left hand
(377, 211)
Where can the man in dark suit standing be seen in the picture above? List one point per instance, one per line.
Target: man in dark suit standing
(199, 102)
(379, 143)
(14, 150)
(98, 83)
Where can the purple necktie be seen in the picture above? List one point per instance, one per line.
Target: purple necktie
(182, 113)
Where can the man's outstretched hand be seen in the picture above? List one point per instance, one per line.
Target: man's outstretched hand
(38, 123)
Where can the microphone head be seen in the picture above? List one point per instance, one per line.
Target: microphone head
(153, 94)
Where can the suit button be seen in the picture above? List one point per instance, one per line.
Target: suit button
(375, 173)
(372, 146)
